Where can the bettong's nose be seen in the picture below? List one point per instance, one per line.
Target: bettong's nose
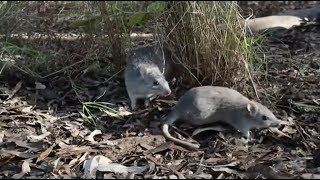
(167, 92)
(275, 123)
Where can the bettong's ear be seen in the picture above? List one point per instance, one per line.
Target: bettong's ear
(252, 108)
(149, 71)
(144, 72)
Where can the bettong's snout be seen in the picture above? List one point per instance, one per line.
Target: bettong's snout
(167, 92)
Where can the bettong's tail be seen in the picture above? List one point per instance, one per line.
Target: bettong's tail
(165, 131)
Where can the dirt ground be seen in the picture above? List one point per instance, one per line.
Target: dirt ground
(36, 143)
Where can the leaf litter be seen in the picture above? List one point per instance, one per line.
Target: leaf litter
(36, 141)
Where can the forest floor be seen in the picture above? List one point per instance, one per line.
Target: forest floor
(36, 143)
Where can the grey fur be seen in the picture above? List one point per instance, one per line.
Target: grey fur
(145, 66)
(284, 20)
(208, 104)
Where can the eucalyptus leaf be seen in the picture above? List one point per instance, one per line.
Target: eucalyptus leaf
(156, 7)
(88, 25)
(138, 18)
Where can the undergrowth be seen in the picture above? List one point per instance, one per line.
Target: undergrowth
(68, 39)
(210, 45)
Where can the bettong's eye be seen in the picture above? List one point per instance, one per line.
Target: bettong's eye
(155, 83)
(264, 118)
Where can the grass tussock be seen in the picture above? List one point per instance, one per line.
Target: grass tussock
(47, 39)
(208, 41)
(72, 40)
(64, 42)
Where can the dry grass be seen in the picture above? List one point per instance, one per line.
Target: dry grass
(208, 41)
(53, 38)
(70, 39)
(49, 39)
(64, 41)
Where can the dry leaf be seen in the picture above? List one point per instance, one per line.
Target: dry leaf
(172, 176)
(111, 114)
(56, 162)
(289, 130)
(146, 146)
(18, 176)
(73, 162)
(26, 109)
(118, 168)
(123, 112)
(92, 134)
(35, 138)
(83, 158)
(15, 90)
(39, 85)
(90, 166)
(25, 169)
(74, 132)
(263, 171)
(1, 136)
(232, 164)
(221, 176)
(228, 170)
(74, 149)
(108, 142)
(25, 145)
(177, 162)
(46, 153)
(203, 176)
(212, 160)
(104, 164)
(19, 154)
(317, 101)
(277, 131)
(310, 176)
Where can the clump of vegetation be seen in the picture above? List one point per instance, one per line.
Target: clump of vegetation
(54, 40)
(210, 45)
(71, 36)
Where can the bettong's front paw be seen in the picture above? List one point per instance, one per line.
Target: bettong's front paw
(250, 139)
